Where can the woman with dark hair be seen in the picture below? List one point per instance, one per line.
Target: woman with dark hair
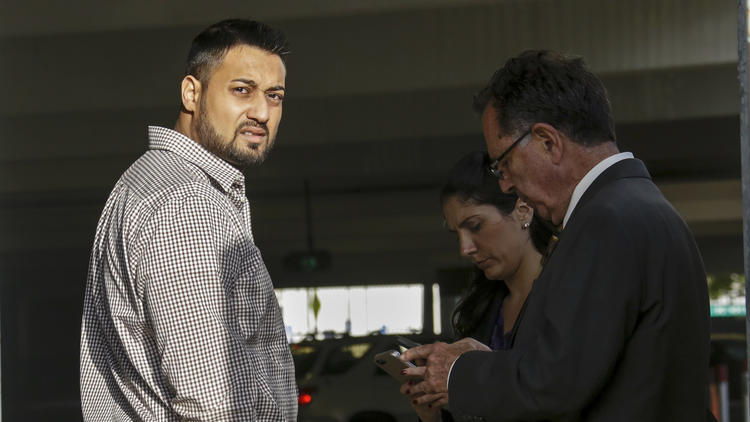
(505, 241)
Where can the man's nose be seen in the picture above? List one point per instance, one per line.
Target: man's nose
(258, 109)
(506, 185)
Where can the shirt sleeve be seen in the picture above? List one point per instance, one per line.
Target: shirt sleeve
(188, 276)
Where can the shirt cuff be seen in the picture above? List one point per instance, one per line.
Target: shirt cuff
(448, 380)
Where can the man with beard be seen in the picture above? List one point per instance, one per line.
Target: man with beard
(180, 320)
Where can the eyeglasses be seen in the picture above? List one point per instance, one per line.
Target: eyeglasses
(494, 168)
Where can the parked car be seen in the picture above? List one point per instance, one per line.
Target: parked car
(339, 382)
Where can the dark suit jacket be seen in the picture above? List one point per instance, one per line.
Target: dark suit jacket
(616, 328)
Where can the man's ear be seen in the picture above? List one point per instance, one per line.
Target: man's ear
(552, 141)
(191, 93)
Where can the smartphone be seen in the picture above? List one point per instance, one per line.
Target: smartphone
(390, 361)
(405, 344)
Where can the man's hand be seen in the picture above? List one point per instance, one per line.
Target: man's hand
(439, 358)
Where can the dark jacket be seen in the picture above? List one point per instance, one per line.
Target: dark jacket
(616, 328)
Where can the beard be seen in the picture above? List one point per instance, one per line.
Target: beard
(232, 150)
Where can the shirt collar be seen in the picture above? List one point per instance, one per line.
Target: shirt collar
(216, 168)
(589, 178)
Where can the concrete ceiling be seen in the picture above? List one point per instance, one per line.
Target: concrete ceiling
(378, 110)
(49, 17)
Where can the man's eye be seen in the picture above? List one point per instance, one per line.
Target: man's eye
(241, 90)
(474, 228)
(275, 97)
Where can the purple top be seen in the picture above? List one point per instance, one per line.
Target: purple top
(500, 340)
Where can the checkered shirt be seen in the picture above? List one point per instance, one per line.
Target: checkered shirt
(180, 320)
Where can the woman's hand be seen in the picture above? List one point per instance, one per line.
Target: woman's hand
(427, 406)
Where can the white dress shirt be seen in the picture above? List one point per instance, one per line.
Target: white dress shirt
(589, 178)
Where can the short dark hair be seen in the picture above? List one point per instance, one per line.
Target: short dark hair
(545, 86)
(470, 182)
(211, 45)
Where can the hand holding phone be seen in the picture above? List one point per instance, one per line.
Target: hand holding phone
(390, 361)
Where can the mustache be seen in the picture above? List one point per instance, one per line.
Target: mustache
(252, 123)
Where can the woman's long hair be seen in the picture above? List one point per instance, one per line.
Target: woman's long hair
(470, 182)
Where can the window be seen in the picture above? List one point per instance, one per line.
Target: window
(353, 310)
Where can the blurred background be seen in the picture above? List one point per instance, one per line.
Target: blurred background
(378, 109)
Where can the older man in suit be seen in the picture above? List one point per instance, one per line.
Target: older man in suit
(616, 327)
